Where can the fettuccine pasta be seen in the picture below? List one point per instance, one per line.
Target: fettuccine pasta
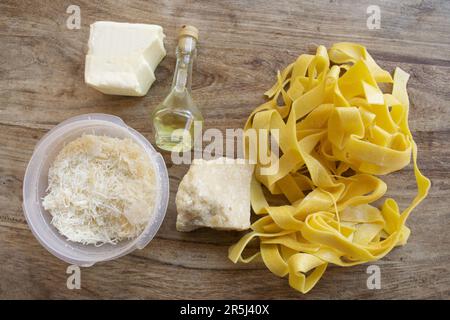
(337, 132)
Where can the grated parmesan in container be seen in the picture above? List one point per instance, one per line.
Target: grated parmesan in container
(101, 190)
(98, 182)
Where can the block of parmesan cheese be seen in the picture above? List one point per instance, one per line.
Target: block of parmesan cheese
(215, 194)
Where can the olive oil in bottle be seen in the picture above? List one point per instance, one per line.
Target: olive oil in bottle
(173, 120)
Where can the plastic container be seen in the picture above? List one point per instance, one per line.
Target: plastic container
(36, 182)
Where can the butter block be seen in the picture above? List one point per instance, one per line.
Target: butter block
(122, 57)
(109, 38)
(129, 76)
(215, 194)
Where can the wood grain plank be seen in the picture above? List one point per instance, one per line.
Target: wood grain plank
(242, 45)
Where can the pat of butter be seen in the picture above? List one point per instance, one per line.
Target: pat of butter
(128, 76)
(122, 57)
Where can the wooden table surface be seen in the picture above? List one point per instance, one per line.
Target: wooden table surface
(242, 45)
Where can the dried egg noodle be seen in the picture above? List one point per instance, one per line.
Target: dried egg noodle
(337, 132)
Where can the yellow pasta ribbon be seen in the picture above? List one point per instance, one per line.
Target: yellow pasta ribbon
(338, 131)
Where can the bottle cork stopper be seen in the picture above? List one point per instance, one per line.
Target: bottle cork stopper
(187, 30)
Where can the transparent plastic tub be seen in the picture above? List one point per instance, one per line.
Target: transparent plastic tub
(36, 182)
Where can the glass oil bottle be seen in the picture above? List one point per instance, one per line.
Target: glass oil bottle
(173, 120)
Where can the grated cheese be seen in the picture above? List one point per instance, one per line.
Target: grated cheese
(100, 190)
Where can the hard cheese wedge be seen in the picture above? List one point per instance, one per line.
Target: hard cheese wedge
(122, 57)
(215, 194)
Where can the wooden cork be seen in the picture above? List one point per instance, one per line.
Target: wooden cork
(187, 30)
